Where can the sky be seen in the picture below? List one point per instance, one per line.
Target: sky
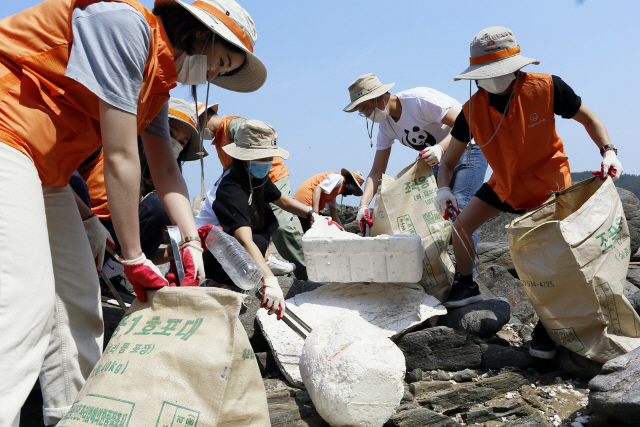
(314, 50)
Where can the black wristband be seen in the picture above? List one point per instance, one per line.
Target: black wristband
(311, 212)
(608, 147)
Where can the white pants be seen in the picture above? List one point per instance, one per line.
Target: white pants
(50, 315)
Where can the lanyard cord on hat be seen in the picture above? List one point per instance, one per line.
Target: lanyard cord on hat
(251, 187)
(504, 113)
(200, 124)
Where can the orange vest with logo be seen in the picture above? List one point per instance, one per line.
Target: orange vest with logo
(52, 119)
(278, 169)
(93, 175)
(526, 155)
(304, 193)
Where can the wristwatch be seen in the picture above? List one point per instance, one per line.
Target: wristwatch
(309, 214)
(608, 147)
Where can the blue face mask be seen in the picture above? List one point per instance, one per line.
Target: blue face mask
(259, 169)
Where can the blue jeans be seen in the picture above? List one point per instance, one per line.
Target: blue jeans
(468, 177)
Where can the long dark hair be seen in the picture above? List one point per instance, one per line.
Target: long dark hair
(257, 201)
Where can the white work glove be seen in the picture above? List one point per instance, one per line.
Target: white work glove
(314, 217)
(364, 218)
(191, 253)
(443, 199)
(610, 166)
(272, 297)
(99, 238)
(432, 155)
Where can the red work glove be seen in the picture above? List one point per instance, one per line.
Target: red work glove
(143, 275)
(272, 297)
(191, 254)
(448, 212)
(364, 218)
(203, 232)
(332, 222)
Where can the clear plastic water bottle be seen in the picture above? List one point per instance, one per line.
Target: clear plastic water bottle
(236, 262)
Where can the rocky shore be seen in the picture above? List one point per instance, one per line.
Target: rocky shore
(473, 367)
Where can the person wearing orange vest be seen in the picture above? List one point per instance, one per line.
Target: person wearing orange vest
(75, 75)
(512, 119)
(323, 188)
(287, 239)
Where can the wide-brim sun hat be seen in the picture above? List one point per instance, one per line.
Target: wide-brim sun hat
(364, 88)
(181, 110)
(202, 109)
(494, 53)
(358, 178)
(255, 140)
(227, 19)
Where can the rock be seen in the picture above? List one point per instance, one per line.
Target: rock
(424, 387)
(497, 356)
(524, 331)
(531, 421)
(352, 372)
(420, 417)
(504, 382)
(392, 307)
(635, 301)
(352, 227)
(266, 363)
(346, 214)
(482, 319)
(413, 376)
(494, 229)
(501, 284)
(575, 365)
(496, 253)
(631, 206)
(440, 347)
(440, 376)
(633, 275)
(407, 397)
(616, 391)
(530, 395)
(458, 399)
(285, 411)
(464, 376)
(498, 408)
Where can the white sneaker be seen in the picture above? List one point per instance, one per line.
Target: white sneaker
(280, 268)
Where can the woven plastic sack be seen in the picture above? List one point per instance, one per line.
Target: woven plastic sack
(181, 359)
(572, 255)
(404, 205)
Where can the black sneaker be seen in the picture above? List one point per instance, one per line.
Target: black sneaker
(462, 295)
(124, 293)
(542, 346)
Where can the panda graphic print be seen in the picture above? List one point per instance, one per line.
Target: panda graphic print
(420, 123)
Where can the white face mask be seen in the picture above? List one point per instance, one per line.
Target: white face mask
(177, 147)
(379, 116)
(192, 69)
(497, 84)
(207, 135)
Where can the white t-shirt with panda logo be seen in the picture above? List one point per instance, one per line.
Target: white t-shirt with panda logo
(420, 124)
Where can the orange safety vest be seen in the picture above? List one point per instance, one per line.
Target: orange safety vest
(53, 119)
(93, 175)
(526, 155)
(304, 193)
(278, 169)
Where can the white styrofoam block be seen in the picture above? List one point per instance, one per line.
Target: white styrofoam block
(393, 308)
(352, 372)
(380, 259)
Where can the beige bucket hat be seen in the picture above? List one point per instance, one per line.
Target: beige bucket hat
(181, 110)
(202, 109)
(357, 177)
(364, 88)
(230, 21)
(494, 53)
(255, 140)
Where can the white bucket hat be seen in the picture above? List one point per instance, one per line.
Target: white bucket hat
(230, 21)
(357, 177)
(255, 140)
(201, 108)
(181, 110)
(364, 88)
(494, 53)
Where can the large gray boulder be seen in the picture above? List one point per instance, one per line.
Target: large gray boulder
(496, 282)
(631, 206)
(633, 275)
(496, 253)
(482, 319)
(494, 231)
(615, 393)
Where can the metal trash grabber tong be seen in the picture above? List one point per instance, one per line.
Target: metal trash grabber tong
(110, 285)
(290, 319)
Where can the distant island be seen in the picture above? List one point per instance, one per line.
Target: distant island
(627, 181)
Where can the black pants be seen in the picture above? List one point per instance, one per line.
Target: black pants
(214, 270)
(305, 224)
